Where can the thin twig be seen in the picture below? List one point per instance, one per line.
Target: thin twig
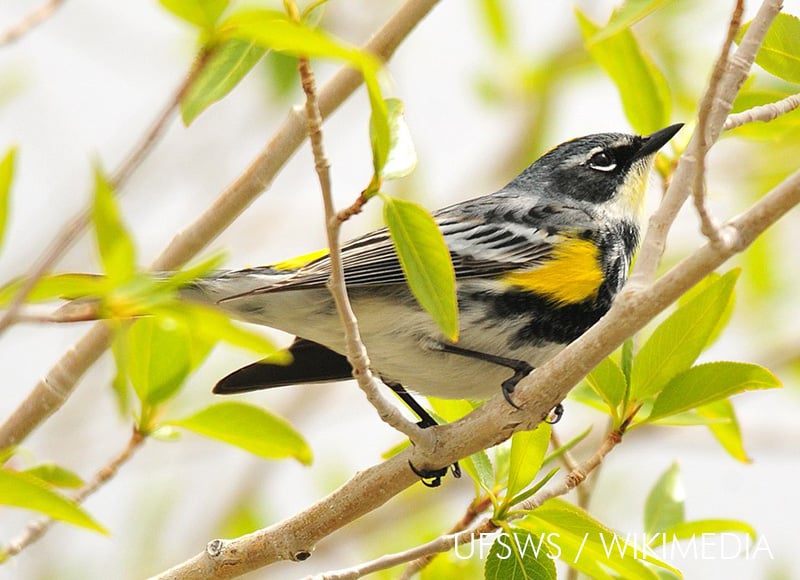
(763, 113)
(708, 224)
(29, 21)
(356, 352)
(70, 233)
(38, 528)
(60, 381)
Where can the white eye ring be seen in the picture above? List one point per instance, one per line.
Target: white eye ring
(602, 161)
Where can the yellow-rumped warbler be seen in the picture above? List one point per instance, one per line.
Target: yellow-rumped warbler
(537, 263)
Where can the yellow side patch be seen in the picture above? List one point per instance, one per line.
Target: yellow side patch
(571, 275)
(299, 261)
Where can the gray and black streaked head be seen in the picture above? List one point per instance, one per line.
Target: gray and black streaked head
(608, 170)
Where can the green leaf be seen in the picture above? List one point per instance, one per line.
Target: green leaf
(249, 427)
(202, 13)
(55, 475)
(780, 52)
(6, 177)
(710, 382)
(401, 157)
(425, 259)
(283, 74)
(62, 286)
(608, 381)
(528, 449)
(724, 426)
(679, 340)
(687, 530)
(522, 496)
(519, 555)
(227, 65)
(664, 506)
(588, 545)
(727, 312)
(631, 12)
(192, 272)
(643, 89)
(25, 491)
(113, 241)
(556, 453)
(160, 353)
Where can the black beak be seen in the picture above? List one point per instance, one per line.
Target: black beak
(657, 140)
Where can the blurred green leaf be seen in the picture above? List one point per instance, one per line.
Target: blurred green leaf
(401, 157)
(226, 67)
(528, 449)
(588, 545)
(608, 381)
(725, 427)
(664, 507)
(727, 312)
(710, 382)
(679, 340)
(202, 13)
(425, 259)
(55, 475)
(249, 427)
(519, 554)
(495, 16)
(62, 286)
(686, 530)
(114, 244)
(628, 14)
(282, 73)
(584, 394)
(780, 52)
(556, 453)
(28, 492)
(6, 177)
(192, 272)
(643, 89)
(242, 519)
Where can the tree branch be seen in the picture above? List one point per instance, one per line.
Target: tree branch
(356, 352)
(30, 21)
(729, 84)
(763, 113)
(54, 389)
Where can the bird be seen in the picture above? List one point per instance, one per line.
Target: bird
(537, 263)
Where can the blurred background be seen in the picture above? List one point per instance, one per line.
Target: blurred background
(85, 85)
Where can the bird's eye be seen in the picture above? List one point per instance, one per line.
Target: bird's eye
(602, 161)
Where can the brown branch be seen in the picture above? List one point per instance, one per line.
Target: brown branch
(38, 528)
(356, 352)
(708, 224)
(30, 21)
(54, 389)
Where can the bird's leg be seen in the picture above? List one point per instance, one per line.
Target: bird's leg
(435, 475)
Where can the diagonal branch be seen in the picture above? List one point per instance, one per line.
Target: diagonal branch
(54, 389)
(30, 21)
(763, 113)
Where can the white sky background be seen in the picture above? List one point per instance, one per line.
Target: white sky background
(84, 86)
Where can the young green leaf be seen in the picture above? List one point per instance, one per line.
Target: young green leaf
(62, 286)
(631, 12)
(202, 13)
(397, 158)
(25, 491)
(6, 177)
(528, 449)
(226, 67)
(588, 545)
(780, 52)
(113, 241)
(519, 554)
(679, 340)
(249, 427)
(721, 420)
(556, 453)
(496, 18)
(55, 475)
(608, 381)
(425, 259)
(706, 383)
(727, 312)
(643, 89)
(664, 506)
